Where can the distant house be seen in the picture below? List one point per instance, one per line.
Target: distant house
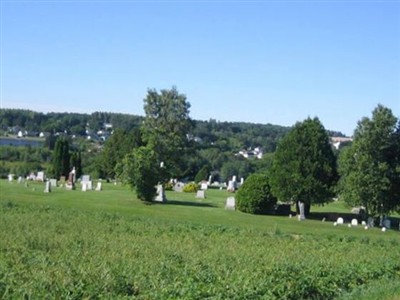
(337, 141)
(255, 153)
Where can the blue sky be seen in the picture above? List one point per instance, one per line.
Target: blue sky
(254, 61)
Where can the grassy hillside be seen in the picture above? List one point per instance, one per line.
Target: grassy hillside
(93, 245)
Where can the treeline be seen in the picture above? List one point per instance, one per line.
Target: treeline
(73, 123)
(214, 144)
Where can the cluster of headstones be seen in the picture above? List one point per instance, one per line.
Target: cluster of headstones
(33, 177)
(385, 224)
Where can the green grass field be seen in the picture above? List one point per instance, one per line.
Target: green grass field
(96, 245)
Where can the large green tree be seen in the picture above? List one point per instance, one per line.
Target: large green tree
(370, 167)
(165, 135)
(166, 127)
(304, 166)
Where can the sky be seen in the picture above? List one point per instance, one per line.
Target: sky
(275, 62)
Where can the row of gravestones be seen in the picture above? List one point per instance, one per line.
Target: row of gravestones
(386, 223)
(39, 177)
(86, 186)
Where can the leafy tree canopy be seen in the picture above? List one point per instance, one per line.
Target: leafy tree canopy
(304, 166)
(370, 167)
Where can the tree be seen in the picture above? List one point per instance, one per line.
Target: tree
(304, 166)
(370, 167)
(165, 128)
(116, 147)
(203, 174)
(76, 162)
(141, 171)
(61, 158)
(255, 195)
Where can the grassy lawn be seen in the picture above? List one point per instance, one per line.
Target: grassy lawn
(181, 207)
(109, 245)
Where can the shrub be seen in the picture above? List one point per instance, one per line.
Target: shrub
(191, 187)
(255, 196)
(169, 186)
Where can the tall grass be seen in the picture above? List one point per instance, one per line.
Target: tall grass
(55, 252)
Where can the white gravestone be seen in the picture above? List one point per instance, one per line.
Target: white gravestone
(178, 187)
(86, 183)
(47, 188)
(10, 177)
(160, 197)
(340, 221)
(99, 187)
(40, 176)
(231, 186)
(370, 222)
(53, 182)
(20, 179)
(354, 222)
(301, 216)
(234, 178)
(230, 203)
(204, 186)
(201, 194)
(241, 181)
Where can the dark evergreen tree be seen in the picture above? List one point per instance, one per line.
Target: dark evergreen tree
(304, 166)
(61, 158)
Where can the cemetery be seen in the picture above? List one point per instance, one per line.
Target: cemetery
(247, 229)
(186, 244)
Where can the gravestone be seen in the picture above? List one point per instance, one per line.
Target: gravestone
(363, 223)
(301, 216)
(160, 197)
(70, 185)
(62, 179)
(19, 179)
(230, 203)
(241, 181)
(53, 182)
(370, 222)
(386, 223)
(209, 179)
(204, 186)
(354, 222)
(40, 176)
(86, 183)
(47, 188)
(231, 186)
(234, 178)
(340, 221)
(201, 194)
(10, 177)
(99, 187)
(178, 187)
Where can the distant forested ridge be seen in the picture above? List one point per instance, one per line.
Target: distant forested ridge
(233, 135)
(217, 147)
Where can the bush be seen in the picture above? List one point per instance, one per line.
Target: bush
(255, 196)
(191, 187)
(169, 186)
